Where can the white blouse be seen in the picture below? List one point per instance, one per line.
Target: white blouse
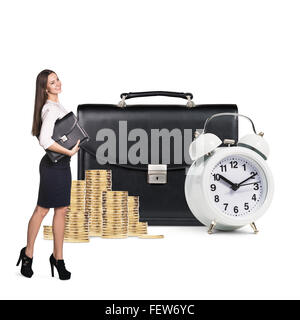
(51, 111)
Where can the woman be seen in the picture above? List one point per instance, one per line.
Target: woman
(55, 178)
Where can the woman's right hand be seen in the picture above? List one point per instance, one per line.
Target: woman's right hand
(74, 149)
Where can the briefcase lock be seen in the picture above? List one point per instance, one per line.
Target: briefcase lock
(64, 138)
(157, 173)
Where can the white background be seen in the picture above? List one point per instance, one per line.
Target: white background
(243, 52)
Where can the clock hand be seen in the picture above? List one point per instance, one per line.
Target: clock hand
(239, 184)
(246, 184)
(233, 185)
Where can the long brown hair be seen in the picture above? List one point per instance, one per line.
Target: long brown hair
(41, 97)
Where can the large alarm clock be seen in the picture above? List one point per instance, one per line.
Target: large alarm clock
(229, 183)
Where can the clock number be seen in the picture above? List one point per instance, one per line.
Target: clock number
(251, 173)
(244, 165)
(235, 209)
(226, 205)
(216, 177)
(223, 167)
(213, 187)
(254, 197)
(217, 198)
(256, 187)
(234, 164)
(246, 206)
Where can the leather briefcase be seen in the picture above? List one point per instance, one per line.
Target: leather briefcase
(122, 135)
(66, 132)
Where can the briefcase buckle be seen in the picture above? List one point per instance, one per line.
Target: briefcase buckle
(64, 138)
(157, 173)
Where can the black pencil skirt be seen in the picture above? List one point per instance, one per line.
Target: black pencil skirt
(55, 182)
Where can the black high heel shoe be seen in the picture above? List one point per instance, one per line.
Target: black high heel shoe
(63, 273)
(26, 269)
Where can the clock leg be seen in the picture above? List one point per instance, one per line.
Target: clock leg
(254, 227)
(211, 227)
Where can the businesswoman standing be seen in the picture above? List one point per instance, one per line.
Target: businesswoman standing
(55, 178)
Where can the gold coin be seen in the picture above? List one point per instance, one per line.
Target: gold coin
(143, 224)
(114, 234)
(115, 205)
(112, 207)
(76, 240)
(75, 186)
(110, 232)
(114, 199)
(133, 198)
(114, 226)
(76, 222)
(98, 171)
(115, 209)
(95, 234)
(75, 232)
(118, 217)
(151, 236)
(114, 237)
(95, 222)
(76, 214)
(115, 193)
(115, 213)
(115, 216)
(94, 202)
(98, 188)
(95, 213)
(76, 203)
(97, 177)
(96, 183)
(114, 231)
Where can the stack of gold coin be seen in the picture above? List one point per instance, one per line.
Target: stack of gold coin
(48, 234)
(115, 214)
(133, 215)
(76, 221)
(96, 182)
(142, 228)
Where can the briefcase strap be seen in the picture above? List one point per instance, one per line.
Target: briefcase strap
(188, 96)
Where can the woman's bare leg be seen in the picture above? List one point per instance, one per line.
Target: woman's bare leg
(58, 227)
(34, 224)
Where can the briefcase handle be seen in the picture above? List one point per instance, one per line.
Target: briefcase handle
(188, 96)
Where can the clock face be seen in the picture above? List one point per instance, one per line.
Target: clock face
(237, 186)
